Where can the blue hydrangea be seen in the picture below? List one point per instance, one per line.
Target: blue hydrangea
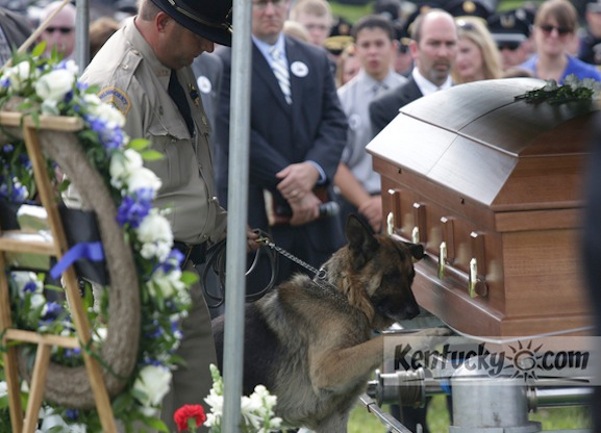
(71, 414)
(110, 136)
(72, 353)
(133, 209)
(174, 261)
(52, 312)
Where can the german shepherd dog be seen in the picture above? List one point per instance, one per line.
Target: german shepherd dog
(310, 342)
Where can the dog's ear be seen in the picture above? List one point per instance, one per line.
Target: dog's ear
(362, 243)
(416, 250)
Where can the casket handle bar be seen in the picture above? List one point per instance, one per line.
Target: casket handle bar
(477, 267)
(442, 259)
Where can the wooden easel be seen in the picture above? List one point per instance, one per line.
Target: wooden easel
(10, 241)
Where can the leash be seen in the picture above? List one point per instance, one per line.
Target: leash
(215, 260)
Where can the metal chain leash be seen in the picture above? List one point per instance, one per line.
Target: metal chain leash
(320, 274)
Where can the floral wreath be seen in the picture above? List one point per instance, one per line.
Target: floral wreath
(38, 86)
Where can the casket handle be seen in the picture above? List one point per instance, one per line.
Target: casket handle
(442, 259)
(390, 224)
(476, 285)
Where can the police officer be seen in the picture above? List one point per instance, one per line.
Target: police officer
(144, 71)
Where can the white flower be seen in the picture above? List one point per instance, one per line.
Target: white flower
(153, 383)
(18, 75)
(3, 389)
(109, 114)
(155, 234)
(142, 178)
(51, 421)
(122, 164)
(27, 282)
(71, 66)
(50, 107)
(169, 284)
(55, 84)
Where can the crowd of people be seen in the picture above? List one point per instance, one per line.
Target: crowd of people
(321, 89)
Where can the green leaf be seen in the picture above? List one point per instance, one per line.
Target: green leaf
(138, 144)
(39, 49)
(152, 155)
(189, 278)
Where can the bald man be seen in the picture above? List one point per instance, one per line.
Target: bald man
(433, 48)
(60, 32)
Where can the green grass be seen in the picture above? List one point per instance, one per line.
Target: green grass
(438, 418)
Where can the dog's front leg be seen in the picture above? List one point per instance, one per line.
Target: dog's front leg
(337, 369)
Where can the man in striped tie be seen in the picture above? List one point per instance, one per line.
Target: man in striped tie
(298, 131)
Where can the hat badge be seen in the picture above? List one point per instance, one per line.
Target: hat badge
(507, 21)
(469, 7)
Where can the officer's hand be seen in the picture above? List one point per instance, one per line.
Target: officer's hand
(251, 240)
(304, 210)
(297, 180)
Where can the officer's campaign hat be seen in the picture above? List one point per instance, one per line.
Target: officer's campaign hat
(211, 19)
(459, 8)
(509, 29)
(594, 6)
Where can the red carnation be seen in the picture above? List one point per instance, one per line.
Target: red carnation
(188, 417)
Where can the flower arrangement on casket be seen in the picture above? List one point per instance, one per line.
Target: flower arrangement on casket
(573, 89)
(39, 86)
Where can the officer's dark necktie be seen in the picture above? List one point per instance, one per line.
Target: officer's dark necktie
(179, 97)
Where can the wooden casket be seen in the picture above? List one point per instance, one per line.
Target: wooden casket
(492, 187)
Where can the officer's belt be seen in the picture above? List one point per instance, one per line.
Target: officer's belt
(197, 254)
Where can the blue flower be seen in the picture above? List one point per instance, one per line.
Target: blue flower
(8, 148)
(72, 353)
(30, 287)
(133, 209)
(174, 261)
(156, 331)
(72, 414)
(52, 311)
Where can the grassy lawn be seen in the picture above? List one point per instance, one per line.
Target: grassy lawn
(438, 418)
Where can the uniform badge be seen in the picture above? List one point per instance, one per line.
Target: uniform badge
(194, 94)
(299, 69)
(117, 98)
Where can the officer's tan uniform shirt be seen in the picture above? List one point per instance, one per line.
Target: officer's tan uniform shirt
(132, 79)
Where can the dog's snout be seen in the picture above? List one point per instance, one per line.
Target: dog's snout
(412, 311)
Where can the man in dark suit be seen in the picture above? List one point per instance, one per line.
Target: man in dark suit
(298, 131)
(433, 48)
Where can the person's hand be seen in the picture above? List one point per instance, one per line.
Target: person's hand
(297, 180)
(251, 240)
(372, 211)
(305, 209)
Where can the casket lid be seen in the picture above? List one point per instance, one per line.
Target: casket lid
(477, 140)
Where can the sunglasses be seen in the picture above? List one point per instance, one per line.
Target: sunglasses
(62, 30)
(548, 29)
(511, 46)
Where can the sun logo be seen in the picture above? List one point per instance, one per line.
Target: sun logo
(524, 361)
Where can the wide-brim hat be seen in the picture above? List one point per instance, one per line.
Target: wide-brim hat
(211, 19)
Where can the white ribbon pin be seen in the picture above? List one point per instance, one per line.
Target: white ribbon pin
(299, 69)
(204, 84)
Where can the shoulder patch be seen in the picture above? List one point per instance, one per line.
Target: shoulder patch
(116, 97)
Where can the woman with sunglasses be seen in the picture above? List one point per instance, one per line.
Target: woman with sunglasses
(554, 32)
(478, 57)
